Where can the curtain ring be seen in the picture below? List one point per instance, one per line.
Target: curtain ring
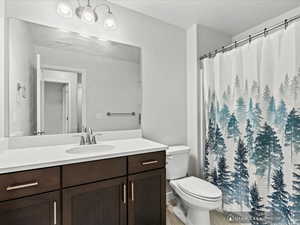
(223, 49)
(286, 23)
(250, 38)
(265, 32)
(235, 44)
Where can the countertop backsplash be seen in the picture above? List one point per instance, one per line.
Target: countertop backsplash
(3, 144)
(48, 140)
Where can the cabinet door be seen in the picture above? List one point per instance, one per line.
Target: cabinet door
(101, 203)
(41, 209)
(147, 198)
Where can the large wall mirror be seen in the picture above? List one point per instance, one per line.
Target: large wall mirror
(60, 82)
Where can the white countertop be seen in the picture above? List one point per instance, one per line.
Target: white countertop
(13, 160)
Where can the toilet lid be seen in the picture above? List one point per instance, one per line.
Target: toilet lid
(199, 188)
(178, 149)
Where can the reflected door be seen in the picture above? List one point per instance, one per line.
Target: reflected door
(66, 108)
(61, 106)
(56, 108)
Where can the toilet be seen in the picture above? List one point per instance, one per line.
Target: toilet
(193, 195)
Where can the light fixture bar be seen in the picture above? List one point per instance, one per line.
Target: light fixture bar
(87, 13)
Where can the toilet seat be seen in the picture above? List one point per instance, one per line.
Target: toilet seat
(198, 188)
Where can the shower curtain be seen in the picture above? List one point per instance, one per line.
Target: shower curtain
(251, 99)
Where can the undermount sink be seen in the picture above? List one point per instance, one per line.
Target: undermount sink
(87, 149)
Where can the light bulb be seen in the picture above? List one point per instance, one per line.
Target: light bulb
(88, 15)
(109, 22)
(64, 9)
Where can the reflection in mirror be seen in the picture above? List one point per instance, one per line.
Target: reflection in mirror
(61, 82)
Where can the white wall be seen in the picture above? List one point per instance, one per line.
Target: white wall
(21, 70)
(210, 39)
(163, 62)
(112, 85)
(268, 23)
(200, 40)
(192, 98)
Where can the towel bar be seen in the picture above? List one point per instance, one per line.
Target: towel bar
(120, 114)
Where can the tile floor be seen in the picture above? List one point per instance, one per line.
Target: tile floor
(216, 218)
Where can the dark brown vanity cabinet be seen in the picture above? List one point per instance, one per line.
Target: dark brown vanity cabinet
(147, 200)
(97, 203)
(43, 209)
(119, 191)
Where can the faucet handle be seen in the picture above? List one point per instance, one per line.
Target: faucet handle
(94, 140)
(94, 137)
(82, 140)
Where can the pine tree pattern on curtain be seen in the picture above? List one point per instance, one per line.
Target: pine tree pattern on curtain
(252, 145)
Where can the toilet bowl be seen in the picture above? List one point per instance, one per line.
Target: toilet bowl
(197, 195)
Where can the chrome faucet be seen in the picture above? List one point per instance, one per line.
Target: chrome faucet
(88, 137)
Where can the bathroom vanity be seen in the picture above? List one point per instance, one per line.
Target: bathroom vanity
(125, 185)
(60, 83)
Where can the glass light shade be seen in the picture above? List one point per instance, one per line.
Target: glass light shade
(88, 15)
(79, 10)
(109, 22)
(64, 9)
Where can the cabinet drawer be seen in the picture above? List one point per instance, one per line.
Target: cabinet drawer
(20, 184)
(82, 173)
(148, 161)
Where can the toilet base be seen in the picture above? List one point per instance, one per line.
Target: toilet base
(177, 210)
(198, 216)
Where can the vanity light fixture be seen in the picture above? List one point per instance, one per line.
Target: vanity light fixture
(109, 22)
(64, 8)
(87, 13)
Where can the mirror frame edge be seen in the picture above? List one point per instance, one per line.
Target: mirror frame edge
(6, 96)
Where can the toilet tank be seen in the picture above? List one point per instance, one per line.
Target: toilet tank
(177, 162)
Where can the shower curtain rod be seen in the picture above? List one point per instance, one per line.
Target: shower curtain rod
(241, 42)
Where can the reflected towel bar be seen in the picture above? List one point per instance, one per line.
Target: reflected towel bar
(120, 114)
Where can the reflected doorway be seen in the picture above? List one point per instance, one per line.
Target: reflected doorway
(56, 108)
